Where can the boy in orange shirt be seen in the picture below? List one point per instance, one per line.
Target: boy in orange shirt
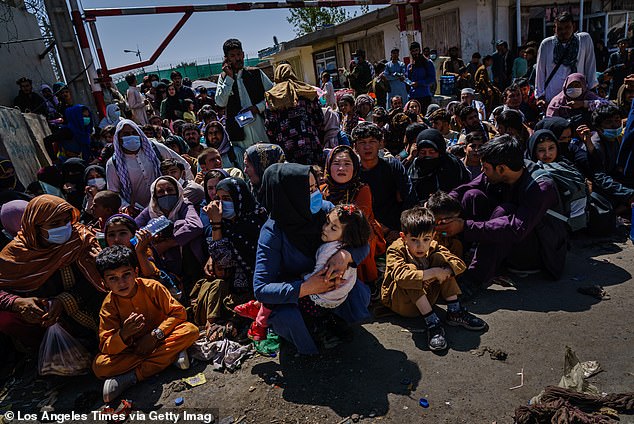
(142, 328)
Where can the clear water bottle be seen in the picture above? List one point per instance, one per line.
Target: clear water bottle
(154, 227)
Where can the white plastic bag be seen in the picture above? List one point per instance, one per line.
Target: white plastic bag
(62, 354)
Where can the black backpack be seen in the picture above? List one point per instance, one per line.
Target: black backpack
(573, 193)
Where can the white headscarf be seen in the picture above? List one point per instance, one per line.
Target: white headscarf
(154, 208)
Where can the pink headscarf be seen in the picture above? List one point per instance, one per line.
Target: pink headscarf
(559, 104)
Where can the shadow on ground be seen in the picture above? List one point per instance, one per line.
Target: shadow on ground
(355, 378)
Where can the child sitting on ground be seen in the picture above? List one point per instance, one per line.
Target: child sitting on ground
(105, 204)
(443, 206)
(418, 271)
(142, 328)
(345, 226)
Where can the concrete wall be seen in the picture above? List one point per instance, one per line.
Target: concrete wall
(22, 57)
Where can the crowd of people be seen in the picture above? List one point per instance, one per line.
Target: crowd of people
(278, 207)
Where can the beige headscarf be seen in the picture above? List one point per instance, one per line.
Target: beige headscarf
(288, 89)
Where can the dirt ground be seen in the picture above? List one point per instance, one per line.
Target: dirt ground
(381, 375)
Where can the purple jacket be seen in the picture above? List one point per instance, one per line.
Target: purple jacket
(532, 199)
(188, 232)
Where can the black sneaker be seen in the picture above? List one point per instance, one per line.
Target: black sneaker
(464, 319)
(436, 338)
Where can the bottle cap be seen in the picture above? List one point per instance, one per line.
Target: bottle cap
(423, 402)
(179, 401)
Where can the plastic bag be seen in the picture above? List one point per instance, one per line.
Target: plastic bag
(62, 354)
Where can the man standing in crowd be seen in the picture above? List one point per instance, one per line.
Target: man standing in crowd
(361, 75)
(452, 65)
(183, 92)
(502, 65)
(620, 64)
(241, 91)
(473, 66)
(136, 101)
(395, 71)
(561, 55)
(27, 100)
(422, 74)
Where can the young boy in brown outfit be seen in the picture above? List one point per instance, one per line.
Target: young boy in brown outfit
(418, 271)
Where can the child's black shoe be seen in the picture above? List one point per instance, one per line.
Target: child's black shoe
(465, 319)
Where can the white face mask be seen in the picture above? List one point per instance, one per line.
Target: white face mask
(100, 183)
(60, 235)
(573, 93)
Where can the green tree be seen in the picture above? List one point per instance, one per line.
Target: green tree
(306, 20)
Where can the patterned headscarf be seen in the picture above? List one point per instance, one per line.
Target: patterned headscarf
(342, 193)
(263, 155)
(119, 157)
(243, 231)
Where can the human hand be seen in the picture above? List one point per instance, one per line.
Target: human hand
(316, 284)
(130, 210)
(133, 325)
(30, 309)
(227, 69)
(214, 210)
(450, 227)
(585, 133)
(541, 103)
(94, 251)
(338, 264)
(199, 178)
(575, 104)
(254, 110)
(209, 268)
(414, 84)
(146, 345)
(55, 309)
(91, 190)
(144, 238)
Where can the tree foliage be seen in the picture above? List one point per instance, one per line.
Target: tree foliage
(307, 19)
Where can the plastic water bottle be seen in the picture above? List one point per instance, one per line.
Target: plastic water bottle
(154, 227)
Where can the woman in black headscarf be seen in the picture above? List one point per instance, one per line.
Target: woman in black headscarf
(236, 220)
(434, 169)
(286, 251)
(568, 148)
(73, 179)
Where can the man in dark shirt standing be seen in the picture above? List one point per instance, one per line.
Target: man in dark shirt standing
(27, 100)
(391, 188)
(502, 65)
(182, 91)
(620, 65)
(361, 75)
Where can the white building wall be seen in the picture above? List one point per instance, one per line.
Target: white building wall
(22, 57)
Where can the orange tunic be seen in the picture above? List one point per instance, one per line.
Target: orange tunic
(160, 310)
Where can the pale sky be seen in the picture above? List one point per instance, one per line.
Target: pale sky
(199, 40)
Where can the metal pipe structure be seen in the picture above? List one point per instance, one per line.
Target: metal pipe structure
(90, 16)
(78, 23)
(581, 16)
(236, 7)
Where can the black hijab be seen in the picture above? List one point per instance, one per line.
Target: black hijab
(555, 124)
(285, 188)
(537, 137)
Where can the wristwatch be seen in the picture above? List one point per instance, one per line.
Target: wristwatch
(158, 334)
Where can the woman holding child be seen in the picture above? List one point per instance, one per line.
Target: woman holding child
(286, 251)
(48, 274)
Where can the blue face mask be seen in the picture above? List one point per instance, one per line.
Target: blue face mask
(60, 235)
(316, 201)
(612, 133)
(131, 143)
(167, 202)
(86, 120)
(228, 211)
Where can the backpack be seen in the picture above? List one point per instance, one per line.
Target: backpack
(573, 193)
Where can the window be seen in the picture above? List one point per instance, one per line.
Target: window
(441, 32)
(327, 61)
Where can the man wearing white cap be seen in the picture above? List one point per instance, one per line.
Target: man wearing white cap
(467, 98)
